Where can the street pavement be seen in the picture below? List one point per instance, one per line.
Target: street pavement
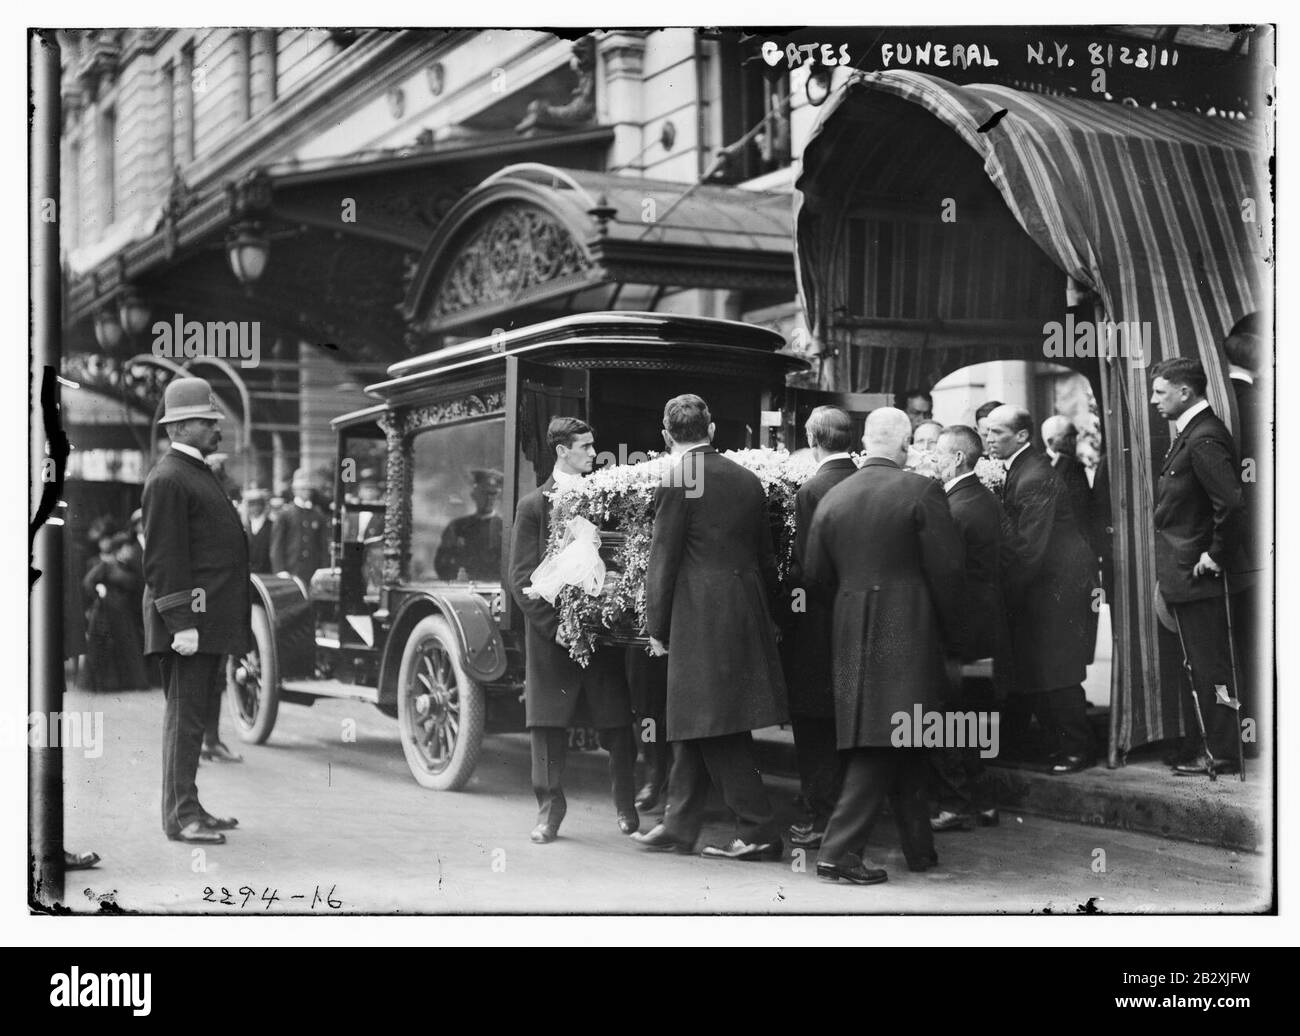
(333, 825)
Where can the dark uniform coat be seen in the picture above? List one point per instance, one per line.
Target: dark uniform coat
(300, 541)
(554, 683)
(1199, 508)
(1049, 588)
(194, 541)
(1253, 443)
(806, 646)
(710, 584)
(980, 521)
(883, 548)
(259, 547)
(471, 542)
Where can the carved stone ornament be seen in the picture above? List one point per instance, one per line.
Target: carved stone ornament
(580, 107)
(518, 248)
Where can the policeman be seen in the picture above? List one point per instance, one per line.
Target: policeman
(300, 536)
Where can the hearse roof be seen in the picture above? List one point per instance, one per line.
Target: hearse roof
(630, 330)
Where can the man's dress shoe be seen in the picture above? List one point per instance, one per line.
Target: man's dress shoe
(198, 834)
(739, 849)
(649, 795)
(1201, 765)
(629, 822)
(856, 874)
(543, 833)
(658, 840)
(220, 753)
(924, 865)
(218, 823)
(1071, 764)
(79, 861)
(987, 818)
(803, 836)
(949, 821)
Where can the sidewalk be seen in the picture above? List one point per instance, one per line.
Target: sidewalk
(1142, 796)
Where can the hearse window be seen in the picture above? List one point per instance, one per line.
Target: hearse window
(363, 479)
(456, 483)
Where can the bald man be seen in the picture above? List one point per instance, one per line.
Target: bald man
(885, 557)
(1048, 594)
(1061, 440)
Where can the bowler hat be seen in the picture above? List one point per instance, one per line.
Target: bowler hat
(188, 399)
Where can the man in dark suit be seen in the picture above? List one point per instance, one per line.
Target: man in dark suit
(197, 597)
(1061, 443)
(884, 553)
(982, 632)
(710, 586)
(806, 646)
(555, 685)
(300, 536)
(1199, 542)
(1048, 593)
(257, 527)
(1246, 348)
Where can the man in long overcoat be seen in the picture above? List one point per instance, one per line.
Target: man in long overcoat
(806, 646)
(710, 585)
(197, 599)
(883, 548)
(1048, 592)
(554, 684)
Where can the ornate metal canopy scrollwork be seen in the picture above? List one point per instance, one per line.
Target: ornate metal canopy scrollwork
(519, 247)
(453, 410)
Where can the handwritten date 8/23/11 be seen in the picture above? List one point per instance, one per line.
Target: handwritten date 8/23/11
(246, 898)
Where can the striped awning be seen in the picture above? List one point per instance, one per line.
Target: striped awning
(1164, 214)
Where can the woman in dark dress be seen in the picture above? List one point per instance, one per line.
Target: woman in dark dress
(114, 587)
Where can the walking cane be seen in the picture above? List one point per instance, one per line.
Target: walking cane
(1234, 702)
(1196, 701)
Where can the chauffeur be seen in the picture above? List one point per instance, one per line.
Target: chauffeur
(196, 599)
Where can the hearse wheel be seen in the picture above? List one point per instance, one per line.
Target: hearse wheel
(253, 684)
(440, 710)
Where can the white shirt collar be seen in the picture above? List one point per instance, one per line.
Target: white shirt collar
(947, 486)
(833, 456)
(564, 480)
(1240, 374)
(256, 523)
(189, 451)
(1186, 416)
(306, 505)
(1051, 454)
(1012, 459)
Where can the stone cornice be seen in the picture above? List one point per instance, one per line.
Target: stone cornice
(365, 69)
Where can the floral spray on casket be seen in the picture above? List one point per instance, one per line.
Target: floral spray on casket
(618, 500)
